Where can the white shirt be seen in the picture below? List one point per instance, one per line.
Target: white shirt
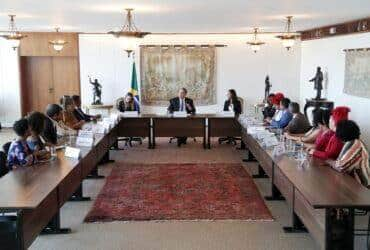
(278, 115)
(231, 107)
(62, 129)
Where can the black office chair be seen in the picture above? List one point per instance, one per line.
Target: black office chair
(3, 158)
(6, 147)
(231, 139)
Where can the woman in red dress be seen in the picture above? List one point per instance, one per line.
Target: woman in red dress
(331, 145)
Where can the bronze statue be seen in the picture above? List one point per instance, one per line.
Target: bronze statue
(97, 91)
(267, 87)
(319, 77)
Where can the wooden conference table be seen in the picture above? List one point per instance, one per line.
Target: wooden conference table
(200, 125)
(314, 193)
(32, 197)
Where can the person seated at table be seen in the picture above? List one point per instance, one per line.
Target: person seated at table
(310, 136)
(276, 105)
(286, 115)
(54, 127)
(19, 154)
(78, 112)
(354, 157)
(36, 122)
(128, 103)
(69, 118)
(334, 145)
(182, 104)
(299, 124)
(269, 110)
(324, 135)
(232, 103)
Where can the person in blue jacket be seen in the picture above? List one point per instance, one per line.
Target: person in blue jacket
(286, 115)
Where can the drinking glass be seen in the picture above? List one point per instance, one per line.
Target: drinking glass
(53, 152)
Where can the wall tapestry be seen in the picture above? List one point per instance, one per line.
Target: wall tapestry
(166, 69)
(357, 73)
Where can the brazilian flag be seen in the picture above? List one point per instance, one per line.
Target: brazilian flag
(134, 86)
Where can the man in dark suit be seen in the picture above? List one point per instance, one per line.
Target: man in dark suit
(182, 104)
(299, 124)
(54, 115)
(78, 113)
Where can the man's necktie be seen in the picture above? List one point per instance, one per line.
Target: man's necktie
(182, 105)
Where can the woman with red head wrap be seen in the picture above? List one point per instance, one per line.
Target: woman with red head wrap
(334, 145)
(276, 99)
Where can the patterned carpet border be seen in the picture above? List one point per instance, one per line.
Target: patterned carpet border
(179, 192)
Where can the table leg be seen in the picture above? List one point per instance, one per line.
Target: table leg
(261, 173)
(209, 135)
(242, 145)
(204, 134)
(78, 195)
(106, 159)
(54, 226)
(153, 129)
(94, 174)
(297, 226)
(250, 157)
(275, 192)
(149, 135)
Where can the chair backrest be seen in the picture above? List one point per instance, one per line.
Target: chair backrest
(241, 100)
(6, 147)
(121, 99)
(3, 167)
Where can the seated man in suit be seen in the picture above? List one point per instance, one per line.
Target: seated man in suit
(299, 124)
(79, 114)
(54, 126)
(182, 103)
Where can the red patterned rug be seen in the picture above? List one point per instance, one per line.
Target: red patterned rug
(179, 192)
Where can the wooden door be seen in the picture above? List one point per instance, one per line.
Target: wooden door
(37, 83)
(45, 79)
(66, 77)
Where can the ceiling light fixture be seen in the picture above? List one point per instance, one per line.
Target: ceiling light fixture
(255, 44)
(13, 35)
(289, 37)
(58, 44)
(130, 32)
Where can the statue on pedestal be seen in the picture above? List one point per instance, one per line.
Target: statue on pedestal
(319, 77)
(267, 88)
(97, 91)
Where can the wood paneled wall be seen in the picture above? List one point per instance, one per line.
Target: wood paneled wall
(47, 75)
(37, 44)
(46, 79)
(352, 27)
